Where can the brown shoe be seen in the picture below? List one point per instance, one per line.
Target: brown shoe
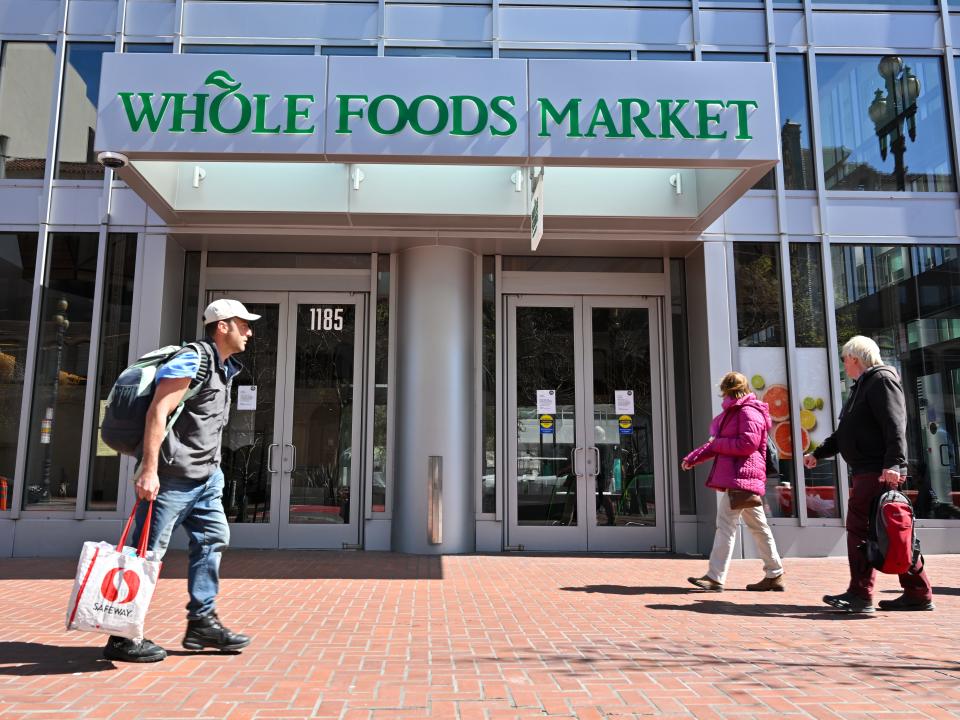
(774, 583)
(706, 583)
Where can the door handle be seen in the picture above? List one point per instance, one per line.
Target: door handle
(596, 463)
(293, 464)
(574, 454)
(270, 447)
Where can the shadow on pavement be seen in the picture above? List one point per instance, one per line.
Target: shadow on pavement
(28, 658)
(799, 612)
(936, 591)
(630, 590)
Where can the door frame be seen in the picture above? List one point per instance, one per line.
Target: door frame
(587, 536)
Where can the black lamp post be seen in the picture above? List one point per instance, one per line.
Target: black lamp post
(46, 427)
(890, 111)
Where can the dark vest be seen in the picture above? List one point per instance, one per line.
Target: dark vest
(191, 449)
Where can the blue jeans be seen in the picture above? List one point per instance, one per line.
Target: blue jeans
(198, 507)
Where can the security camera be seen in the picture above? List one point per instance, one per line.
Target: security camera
(113, 160)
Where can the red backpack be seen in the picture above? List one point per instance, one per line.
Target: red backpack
(892, 545)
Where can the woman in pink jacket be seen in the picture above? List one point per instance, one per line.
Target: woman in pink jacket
(737, 446)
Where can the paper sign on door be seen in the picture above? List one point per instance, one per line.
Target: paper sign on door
(246, 397)
(546, 402)
(623, 401)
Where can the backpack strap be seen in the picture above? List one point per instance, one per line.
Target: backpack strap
(196, 385)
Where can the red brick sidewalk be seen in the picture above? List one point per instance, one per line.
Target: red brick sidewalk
(369, 635)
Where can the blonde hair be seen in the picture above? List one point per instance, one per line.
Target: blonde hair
(734, 385)
(863, 349)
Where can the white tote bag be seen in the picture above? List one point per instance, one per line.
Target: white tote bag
(114, 585)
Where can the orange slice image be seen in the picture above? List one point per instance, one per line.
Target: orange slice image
(783, 441)
(777, 399)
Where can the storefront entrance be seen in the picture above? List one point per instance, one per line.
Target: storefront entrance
(585, 424)
(292, 449)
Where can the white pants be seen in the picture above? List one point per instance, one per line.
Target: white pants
(726, 537)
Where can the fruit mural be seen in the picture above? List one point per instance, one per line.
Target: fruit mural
(777, 398)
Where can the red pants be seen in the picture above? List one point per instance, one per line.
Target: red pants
(866, 487)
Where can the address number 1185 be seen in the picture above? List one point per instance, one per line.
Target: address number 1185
(326, 318)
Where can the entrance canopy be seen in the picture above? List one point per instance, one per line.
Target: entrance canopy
(375, 141)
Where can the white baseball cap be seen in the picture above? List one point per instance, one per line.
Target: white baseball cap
(226, 309)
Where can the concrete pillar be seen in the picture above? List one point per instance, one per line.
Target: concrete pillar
(436, 404)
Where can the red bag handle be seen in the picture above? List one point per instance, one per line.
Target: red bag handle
(144, 534)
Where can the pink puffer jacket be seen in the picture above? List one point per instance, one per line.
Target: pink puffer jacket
(738, 446)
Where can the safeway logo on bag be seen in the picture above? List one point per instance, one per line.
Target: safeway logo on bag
(116, 579)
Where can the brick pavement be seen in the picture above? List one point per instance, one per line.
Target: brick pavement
(371, 635)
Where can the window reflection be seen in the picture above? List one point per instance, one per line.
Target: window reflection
(76, 159)
(681, 374)
(26, 96)
(381, 380)
(884, 124)
(907, 298)
(489, 466)
(792, 99)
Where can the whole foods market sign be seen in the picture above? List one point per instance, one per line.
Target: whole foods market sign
(644, 113)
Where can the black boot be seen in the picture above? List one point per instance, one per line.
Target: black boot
(208, 631)
(123, 649)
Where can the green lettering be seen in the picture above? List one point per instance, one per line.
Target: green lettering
(496, 106)
(293, 113)
(179, 111)
(413, 116)
(626, 107)
(743, 132)
(260, 103)
(571, 110)
(705, 119)
(481, 110)
(669, 117)
(216, 122)
(374, 119)
(602, 116)
(346, 113)
(147, 112)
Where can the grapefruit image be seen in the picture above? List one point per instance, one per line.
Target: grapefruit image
(781, 438)
(778, 400)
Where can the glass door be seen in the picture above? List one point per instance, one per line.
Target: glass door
(585, 463)
(320, 498)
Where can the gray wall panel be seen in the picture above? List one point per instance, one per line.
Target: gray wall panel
(92, 17)
(29, 17)
(126, 207)
(280, 20)
(789, 28)
(37, 536)
(76, 206)
(438, 22)
(902, 30)
(733, 27)
(150, 17)
(803, 217)
(879, 216)
(599, 25)
(753, 215)
(20, 205)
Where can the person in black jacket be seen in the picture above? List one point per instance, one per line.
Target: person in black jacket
(871, 438)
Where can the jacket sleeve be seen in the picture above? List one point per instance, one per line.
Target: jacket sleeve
(701, 454)
(887, 405)
(750, 429)
(828, 448)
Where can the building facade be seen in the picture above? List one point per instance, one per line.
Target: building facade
(503, 253)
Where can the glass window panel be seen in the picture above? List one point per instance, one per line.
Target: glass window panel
(76, 159)
(381, 415)
(349, 50)
(114, 344)
(18, 259)
(532, 263)
(327, 261)
(793, 102)
(907, 298)
(681, 374)
(148, 48)
(664, 55)
(813, 375)
(249, 49)
(26, 97)
(763, 357)
(190, 309)
(60, 379)
(489, 463)
(878, 132)
(438, 52)
(899, 3)
(545, 54)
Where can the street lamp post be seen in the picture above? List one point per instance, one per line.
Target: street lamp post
(46, 425)
(889, 112)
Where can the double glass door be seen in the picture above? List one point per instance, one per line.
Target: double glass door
(585, 432)
(291, 451)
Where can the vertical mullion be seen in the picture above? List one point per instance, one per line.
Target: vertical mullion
(391, 387)
(499, 385)
(178, 27)
(370, 386)
(668, 380)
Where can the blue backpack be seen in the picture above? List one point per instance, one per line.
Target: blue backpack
(125, 415)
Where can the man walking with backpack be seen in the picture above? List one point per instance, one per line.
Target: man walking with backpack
(180, 472)
(871, 437)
